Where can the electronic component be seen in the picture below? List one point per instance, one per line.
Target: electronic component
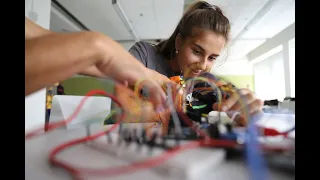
(134, 146)
(139, 147)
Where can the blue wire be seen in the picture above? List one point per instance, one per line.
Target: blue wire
(256, 164)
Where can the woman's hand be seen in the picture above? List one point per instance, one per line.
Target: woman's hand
(120, 65)
(241, 101)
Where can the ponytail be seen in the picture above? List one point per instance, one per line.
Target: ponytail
(201, 15)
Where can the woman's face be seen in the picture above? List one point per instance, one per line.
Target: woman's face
(197, 53)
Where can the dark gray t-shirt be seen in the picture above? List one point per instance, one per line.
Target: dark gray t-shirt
(147, 54)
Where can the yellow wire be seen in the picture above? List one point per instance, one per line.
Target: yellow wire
(213, 86)
(233, 91)
(243, 106)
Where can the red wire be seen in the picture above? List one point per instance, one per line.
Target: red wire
(116, 170)
(267, 132)
(272, 132)
(60, 148)
(52, 126)
(151, 162)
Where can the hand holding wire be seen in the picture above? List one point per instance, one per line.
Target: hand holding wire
(232, 104)
(238, 101)
(242, 103)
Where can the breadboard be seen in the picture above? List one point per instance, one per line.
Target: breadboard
(85, 156)
(188, 165)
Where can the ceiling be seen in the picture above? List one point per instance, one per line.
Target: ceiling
(252, 21)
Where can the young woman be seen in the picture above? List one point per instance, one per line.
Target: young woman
(196, 43)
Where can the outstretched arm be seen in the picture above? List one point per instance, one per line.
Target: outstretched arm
(32, 30)
(55, 57)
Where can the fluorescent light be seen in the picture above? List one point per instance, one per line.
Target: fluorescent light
(125, 19)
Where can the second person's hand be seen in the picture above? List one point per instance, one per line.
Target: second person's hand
(120, 65)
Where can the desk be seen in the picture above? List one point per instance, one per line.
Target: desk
(37, 166)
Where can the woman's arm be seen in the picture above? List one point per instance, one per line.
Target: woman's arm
(55, 57)
(92, 71)
(32, 30)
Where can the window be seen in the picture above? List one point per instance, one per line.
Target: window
(269, 77)
(292, 66)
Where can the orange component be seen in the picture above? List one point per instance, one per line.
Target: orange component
(177, 93)
(138, 110)
(175, 79)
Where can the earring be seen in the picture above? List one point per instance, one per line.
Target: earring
(177, 51)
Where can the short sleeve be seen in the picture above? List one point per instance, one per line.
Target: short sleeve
(139, 51)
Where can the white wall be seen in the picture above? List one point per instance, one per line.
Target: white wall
(35, 103)
(278, 81)
(292, 61)
(269, 77)
(282, 37)
(236, 67)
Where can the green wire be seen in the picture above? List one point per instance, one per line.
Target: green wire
(199, 107)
